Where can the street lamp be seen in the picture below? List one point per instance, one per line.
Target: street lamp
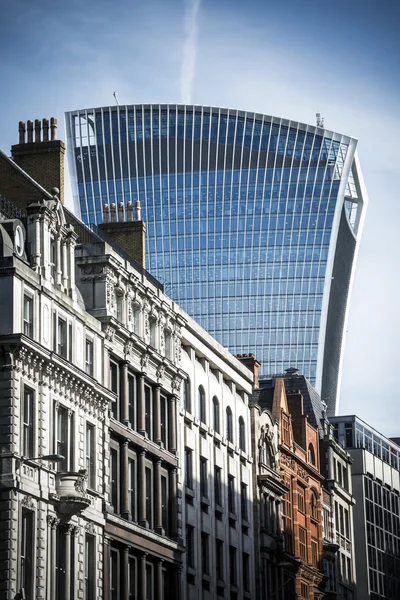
(48, 457)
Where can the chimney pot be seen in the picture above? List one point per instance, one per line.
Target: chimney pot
(30, 131)
(21, 130)
(37, 130)
(113, 213)
(120, 211)
(105, 213)
(137, 210)
(45, 129)
(53, 128)
(129, 211)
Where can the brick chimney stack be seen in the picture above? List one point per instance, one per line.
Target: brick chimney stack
(42, 159)
(129, 235)
(250, 361)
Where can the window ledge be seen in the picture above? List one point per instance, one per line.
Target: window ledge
(189, 492)
(219, 509)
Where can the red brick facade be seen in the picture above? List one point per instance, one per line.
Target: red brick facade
(301, 507)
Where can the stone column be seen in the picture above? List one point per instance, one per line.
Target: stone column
(173, 485)
(157, 493)
(142, 577)
(172, 423)
(141, 404)
(125, 513)
(157, 414)
(159, 580)
(124, 393)
(54, 525)
(125, 586)
(49, 574)
(67, 546)
(142, 489)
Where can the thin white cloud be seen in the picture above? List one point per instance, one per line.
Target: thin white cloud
(189, 50)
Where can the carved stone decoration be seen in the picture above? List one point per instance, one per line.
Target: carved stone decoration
(178, 350)
(162, 341)
(89, 528)
(146, 327)
(53, 521)
(160, 372)
(80, 483)
(27, 502)
(109, 333)
(128, 348)
(144, 359)
(176, 383)
(110, 295)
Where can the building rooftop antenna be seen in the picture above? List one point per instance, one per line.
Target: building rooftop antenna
(116, 98)
(320, 120)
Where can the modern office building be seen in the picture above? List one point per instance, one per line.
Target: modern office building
(253, 221)
(376, 488)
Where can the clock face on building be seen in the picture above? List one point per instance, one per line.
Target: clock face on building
(19, 241)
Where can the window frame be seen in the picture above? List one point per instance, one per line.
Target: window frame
(242, 434)
(90, 457)
(89, 357)
(90, 566)
(28, 324)
(64, 446)
(202, 404)
(229, 424)
(28, 427)
(27, 553)
(216, 415)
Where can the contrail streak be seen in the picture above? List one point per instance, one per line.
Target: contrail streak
(189, 50)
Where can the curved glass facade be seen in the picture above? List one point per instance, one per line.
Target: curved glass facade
(243, 213)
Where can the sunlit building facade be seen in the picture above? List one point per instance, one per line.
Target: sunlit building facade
(253, 221)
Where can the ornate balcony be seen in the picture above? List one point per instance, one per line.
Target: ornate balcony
(71, 492)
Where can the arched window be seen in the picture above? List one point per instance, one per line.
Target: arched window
(216, 414)
(187, 403)
(314, 505)
(202, 404)
(242, 435)
(229, 425)
(311, 454)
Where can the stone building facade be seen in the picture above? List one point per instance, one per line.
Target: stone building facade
(51, 512)
(149, 412)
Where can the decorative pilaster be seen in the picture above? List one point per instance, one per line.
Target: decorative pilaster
(172, 423)
(141, 404)
(142, 489)
(142, 577)
(157, 414)
(158, 516)
(124, 393)
(159, 580)
(126, 595)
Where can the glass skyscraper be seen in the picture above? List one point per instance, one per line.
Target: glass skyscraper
(253, 221)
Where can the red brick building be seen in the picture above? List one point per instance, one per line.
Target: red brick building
(301, 513)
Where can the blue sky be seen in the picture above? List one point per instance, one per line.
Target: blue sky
(289, 58)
